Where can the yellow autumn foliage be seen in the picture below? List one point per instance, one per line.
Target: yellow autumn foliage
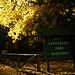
(16, 15)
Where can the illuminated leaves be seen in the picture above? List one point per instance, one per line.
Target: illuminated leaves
(16, 15)
(22, 15)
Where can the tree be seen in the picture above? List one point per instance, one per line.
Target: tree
(27, 17)
(17, 16)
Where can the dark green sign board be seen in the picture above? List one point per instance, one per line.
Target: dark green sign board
(59, 43)
(58, 50)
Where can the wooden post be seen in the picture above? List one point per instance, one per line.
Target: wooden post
(74, 51)
(74, 64)
(18, 61)
(38, 63)
(48, 66)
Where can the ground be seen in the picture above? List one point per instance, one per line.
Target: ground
(60, 67)
(7, 70)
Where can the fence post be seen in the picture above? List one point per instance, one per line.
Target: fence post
(18, 61)
(38, 63)
(48, 66)
(74, 51)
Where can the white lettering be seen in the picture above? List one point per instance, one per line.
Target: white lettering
(59, 53)
(59, 43)
(59, 48)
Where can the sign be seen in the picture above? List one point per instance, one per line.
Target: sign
(60, 42)
(58, 50)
